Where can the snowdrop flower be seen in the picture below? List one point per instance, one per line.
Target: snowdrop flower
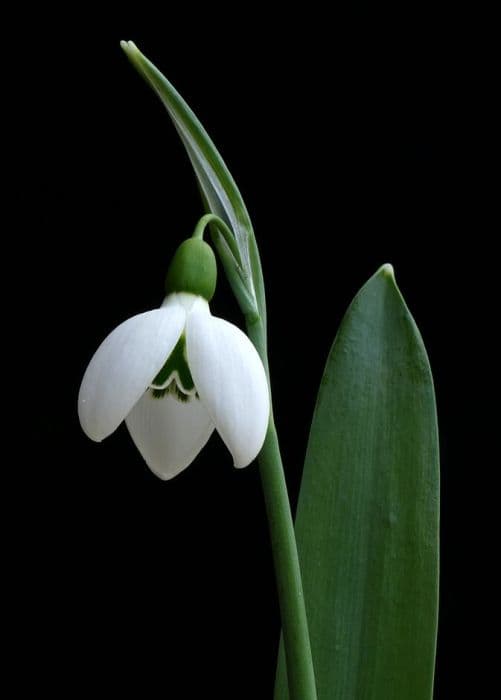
(176, 373)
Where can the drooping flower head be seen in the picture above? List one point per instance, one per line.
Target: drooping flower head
(176, 373)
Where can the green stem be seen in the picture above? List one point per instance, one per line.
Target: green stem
(300, 673)
(225, 232)
(224, 243)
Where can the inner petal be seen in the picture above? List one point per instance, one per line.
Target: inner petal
(175, 376)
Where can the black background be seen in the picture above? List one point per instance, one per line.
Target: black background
(344, 137)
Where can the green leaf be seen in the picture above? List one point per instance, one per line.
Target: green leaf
(217, 186)
(367, 520)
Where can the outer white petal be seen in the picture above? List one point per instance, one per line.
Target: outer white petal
(124, 365)
(169, 433)
(231, 381)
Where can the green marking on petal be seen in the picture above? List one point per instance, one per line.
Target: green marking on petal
(175, 375)
(175, 391)
(159, 393)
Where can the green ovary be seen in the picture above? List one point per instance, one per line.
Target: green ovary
(175, 376)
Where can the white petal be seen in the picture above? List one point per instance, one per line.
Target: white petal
(169, 433)
(124, 365)
(231, 381)
(187, 301)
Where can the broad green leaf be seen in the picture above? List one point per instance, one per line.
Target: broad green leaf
(217, 186)
(367, 520)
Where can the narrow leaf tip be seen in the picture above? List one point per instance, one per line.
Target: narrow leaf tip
(129, 47)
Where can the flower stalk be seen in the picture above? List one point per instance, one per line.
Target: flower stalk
(299, 661)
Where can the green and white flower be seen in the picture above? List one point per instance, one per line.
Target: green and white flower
(176, 373)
